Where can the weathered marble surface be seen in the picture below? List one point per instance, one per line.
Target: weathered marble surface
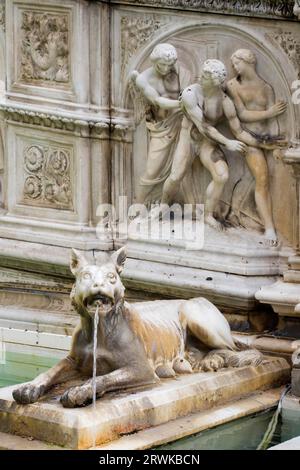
(71, 138)
(48, 421)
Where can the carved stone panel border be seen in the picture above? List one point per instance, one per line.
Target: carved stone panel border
(260, 8)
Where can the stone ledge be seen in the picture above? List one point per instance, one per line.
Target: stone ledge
(123, 413)
(283, 296)
(165, 433)
(9, 442)
(195, 423)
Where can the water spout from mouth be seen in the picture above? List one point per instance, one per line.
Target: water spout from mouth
(94, 385)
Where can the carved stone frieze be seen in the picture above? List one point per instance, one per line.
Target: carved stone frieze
(84, 128)
(122, 133)
(44, 47)
(290, 45)
(260, 8)
(47, 179)
(136, 31)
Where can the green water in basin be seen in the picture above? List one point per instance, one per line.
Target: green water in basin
(18, 367)
(242, 434)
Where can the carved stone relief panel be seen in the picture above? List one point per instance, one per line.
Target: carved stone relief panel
(46, 50)
(47, 179)
(44, 47)
(194, 46)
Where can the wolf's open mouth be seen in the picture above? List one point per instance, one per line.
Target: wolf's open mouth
(98, 300)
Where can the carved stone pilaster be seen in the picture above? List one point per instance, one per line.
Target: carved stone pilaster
(292, 157)
(284, 295)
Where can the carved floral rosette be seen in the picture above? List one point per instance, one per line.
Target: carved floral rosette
(47, 177)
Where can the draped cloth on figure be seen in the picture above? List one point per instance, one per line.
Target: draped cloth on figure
(163, 139)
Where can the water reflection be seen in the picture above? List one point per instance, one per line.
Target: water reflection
(243, 434)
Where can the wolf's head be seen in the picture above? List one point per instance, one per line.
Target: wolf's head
(97, 286)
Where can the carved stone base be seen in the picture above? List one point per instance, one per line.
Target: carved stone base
(234, 251)
(120, 413)
(228, 270)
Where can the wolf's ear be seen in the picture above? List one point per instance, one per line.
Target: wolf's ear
(119, 258)
(77, 262)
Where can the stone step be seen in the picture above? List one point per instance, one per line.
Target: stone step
(195, 423)
(125, 412)
(11, 442)
(168, 432)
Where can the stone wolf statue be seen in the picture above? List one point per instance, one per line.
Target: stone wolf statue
(137, 344)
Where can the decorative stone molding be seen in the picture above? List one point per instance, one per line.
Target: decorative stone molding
(122, 133)
(135, 32)
(47, 179)
(290, 45)
(44, 47)
(259, 8)
(84, 128)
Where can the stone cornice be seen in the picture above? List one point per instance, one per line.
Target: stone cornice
(254, 8)
(84, 127)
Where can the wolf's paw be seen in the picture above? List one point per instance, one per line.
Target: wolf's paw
(212, 363)
(28, 393)
(76, 396)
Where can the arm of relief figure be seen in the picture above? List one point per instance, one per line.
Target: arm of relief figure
(244, 136)
(152, 95)
(192, 102)
(247, 115)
